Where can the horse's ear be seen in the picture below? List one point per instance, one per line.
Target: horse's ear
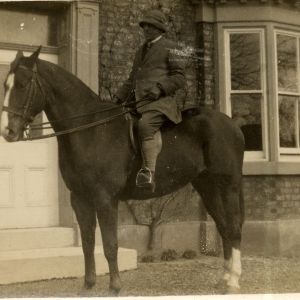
(34, 56)
(19, 54)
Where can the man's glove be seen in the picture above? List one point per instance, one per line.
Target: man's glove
(154, 93)
(117, 100)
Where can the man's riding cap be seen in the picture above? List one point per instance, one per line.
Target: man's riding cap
(155, 18)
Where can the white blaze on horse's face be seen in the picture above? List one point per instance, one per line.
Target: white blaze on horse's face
(9, 84)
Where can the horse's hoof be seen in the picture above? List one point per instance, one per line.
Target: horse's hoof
(89, 284)
(114, 292)
(84, 292)
(221, 284)
(232, 290)
(115, 287)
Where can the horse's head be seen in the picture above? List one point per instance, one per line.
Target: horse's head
(23, 98)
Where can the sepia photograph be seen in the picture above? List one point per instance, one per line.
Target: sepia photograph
(150, 148)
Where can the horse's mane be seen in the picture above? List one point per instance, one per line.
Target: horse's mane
(71, 86)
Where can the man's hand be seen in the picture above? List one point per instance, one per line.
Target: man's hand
(154, 93)
(117, 100)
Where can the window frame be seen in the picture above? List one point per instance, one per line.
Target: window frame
(262, 155)
(277, 164)
(286, 153)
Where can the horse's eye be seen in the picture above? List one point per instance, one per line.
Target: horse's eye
(22, 78)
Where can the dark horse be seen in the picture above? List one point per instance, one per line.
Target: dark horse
(99, 165)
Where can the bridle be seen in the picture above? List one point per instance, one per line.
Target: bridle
(25, 113)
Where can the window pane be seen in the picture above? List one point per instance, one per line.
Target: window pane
(245, 61)
(246, 112)
(27, 27)
(287, 124)
(287, 63)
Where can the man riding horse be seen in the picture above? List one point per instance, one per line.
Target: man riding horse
(98, 164)
(157, 74)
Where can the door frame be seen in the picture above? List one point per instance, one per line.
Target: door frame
(81, 21)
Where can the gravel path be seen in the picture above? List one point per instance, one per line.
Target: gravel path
(181, 277)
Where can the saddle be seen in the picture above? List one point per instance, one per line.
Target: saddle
(132, 118)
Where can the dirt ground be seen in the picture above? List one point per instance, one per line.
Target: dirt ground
(180, 277)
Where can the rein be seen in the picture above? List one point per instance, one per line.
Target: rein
(39, 126)
(36, 126)
(82, 127)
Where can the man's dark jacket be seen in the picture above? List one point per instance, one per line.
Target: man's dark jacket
(160, 65)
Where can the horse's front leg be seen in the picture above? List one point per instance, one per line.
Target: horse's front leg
(107, 213)
(86, 216)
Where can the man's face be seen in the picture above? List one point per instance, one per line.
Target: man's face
(151, 32)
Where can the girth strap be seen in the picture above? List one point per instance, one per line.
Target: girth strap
(131, 128)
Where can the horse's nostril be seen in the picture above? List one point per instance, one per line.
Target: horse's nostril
(12, 136)
(9, 134)
(10, 131)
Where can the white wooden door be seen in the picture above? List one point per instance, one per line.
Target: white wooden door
(28, 173)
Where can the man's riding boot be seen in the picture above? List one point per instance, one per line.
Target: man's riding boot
(151, 147)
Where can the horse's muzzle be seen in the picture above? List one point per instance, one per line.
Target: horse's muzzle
(10, 135)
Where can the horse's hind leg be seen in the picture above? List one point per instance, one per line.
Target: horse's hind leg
(107, 213)
(86, 216)
(234, 213)
(208, 189)
(221, 206)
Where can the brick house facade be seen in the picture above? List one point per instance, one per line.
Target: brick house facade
(214, 29)
(244, 60)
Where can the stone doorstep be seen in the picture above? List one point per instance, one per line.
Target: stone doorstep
(40, 264)
(36, 238)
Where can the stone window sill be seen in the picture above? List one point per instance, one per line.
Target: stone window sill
(271, 168)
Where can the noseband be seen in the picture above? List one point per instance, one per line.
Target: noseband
(24, 111)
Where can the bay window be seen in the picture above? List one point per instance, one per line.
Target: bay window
(262, 93)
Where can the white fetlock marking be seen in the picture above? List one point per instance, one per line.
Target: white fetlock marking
(227, 268)
(233, 281)
(226, 276)
(236, 269)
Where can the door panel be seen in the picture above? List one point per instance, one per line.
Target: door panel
(28, 173)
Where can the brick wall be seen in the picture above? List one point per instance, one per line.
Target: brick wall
(205, 64)
(266, 197)
(182, 205)
(272, 197)
(120, 37)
